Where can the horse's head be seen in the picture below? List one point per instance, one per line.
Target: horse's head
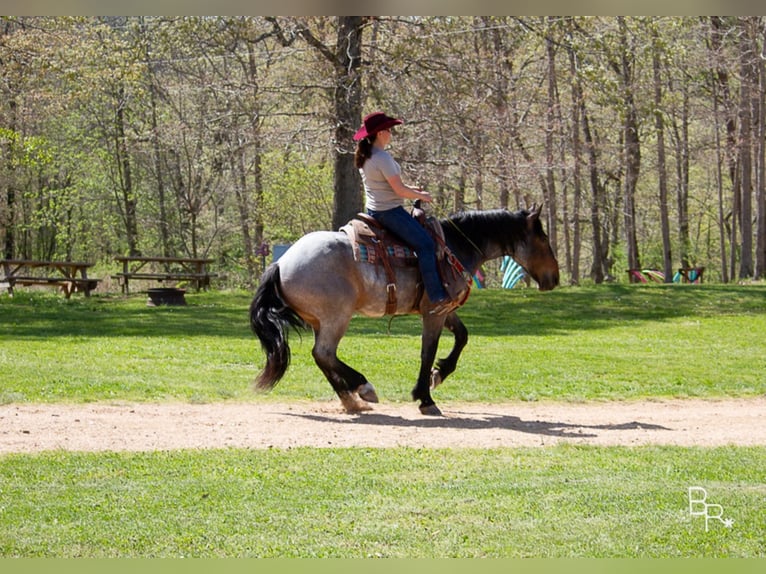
(535, 254)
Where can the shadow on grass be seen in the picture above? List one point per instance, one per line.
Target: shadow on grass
(481, 421)
(528, 312)
(36, 316)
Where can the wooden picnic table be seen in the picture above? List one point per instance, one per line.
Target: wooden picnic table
(70, 276)
(162, 269)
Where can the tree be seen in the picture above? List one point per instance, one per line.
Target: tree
(109, 94)
(155, 93)
(624, 66)
(188, 134)
(241, 131)
(10, 91)
(552, 119)
(745, 191)
(577, 156)
(659, 125)
(345, 58)
(760, 106)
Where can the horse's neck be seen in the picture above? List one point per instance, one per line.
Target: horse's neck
(466, 249)
(471, 247)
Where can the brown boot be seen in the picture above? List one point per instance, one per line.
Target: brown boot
(442, 307)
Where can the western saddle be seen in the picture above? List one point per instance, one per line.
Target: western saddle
(373, 244)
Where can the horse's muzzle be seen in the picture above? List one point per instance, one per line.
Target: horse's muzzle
(548, 281)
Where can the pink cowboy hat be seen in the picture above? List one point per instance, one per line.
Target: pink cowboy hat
(374, 123)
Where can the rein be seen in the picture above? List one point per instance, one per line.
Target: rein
(468, 239)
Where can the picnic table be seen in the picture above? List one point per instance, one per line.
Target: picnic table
(162, 269)
(70, 276)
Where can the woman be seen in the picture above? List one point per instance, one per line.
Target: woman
(385, 194)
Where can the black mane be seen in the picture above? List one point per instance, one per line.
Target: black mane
(476, 236)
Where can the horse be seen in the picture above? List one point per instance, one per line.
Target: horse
(317, 284)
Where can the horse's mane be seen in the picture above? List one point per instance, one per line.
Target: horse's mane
(498, 226)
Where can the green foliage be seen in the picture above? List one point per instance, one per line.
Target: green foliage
(297, 196)
(32, 152)
(195, 95)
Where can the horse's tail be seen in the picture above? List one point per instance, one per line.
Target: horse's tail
(270, 318)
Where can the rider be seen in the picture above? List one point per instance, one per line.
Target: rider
(385, 194)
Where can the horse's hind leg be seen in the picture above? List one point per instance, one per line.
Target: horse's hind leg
(352, 388)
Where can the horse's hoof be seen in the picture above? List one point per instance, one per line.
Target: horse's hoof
(367, 392)
(436, 378)
(354, 405)
(431, 411)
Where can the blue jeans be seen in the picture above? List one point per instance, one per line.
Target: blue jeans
(401, 223)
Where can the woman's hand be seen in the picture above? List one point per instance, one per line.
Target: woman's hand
(406, 191)
(425, 196)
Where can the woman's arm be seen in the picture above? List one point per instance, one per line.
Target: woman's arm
(407, 192)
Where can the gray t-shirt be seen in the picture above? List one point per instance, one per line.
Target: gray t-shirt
(379, 194)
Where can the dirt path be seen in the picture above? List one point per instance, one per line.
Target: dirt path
(146, 427)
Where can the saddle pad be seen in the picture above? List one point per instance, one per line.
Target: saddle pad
(363, 240)
(368, 254)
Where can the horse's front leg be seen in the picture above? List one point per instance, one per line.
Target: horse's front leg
(445, 367)
(432, 328)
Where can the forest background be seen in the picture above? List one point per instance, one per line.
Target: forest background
(225, 136)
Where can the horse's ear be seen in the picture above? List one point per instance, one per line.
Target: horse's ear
(534, 213)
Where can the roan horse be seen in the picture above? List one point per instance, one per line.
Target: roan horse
(317, 284)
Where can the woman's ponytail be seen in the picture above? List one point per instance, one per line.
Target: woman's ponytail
(363, 151)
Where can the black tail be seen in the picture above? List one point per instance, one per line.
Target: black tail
(270, 318)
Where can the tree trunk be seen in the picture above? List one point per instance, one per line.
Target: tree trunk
(519, 144)
(745, 152)
(458, 197)
(632, 147)
(9, 182)
(682, 176)
(503, 71)
(551, 207)
(597, 193)
(7, 222)
(577, 96)
(719, 170)
(718, 31)
(237, 159)
(659, 125)
(348, 199)
(167, 249)
(127, 194)
(574, 218)
(760, 103)
(257, 139)
(346, 60)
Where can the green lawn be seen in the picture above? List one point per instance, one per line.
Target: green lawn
(573, 344)
(608, 342)
(357, 503)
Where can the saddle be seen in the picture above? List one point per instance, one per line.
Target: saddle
(374, 244)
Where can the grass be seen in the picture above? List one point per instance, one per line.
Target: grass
(590, 343)
(565, 501)
(573, 344)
